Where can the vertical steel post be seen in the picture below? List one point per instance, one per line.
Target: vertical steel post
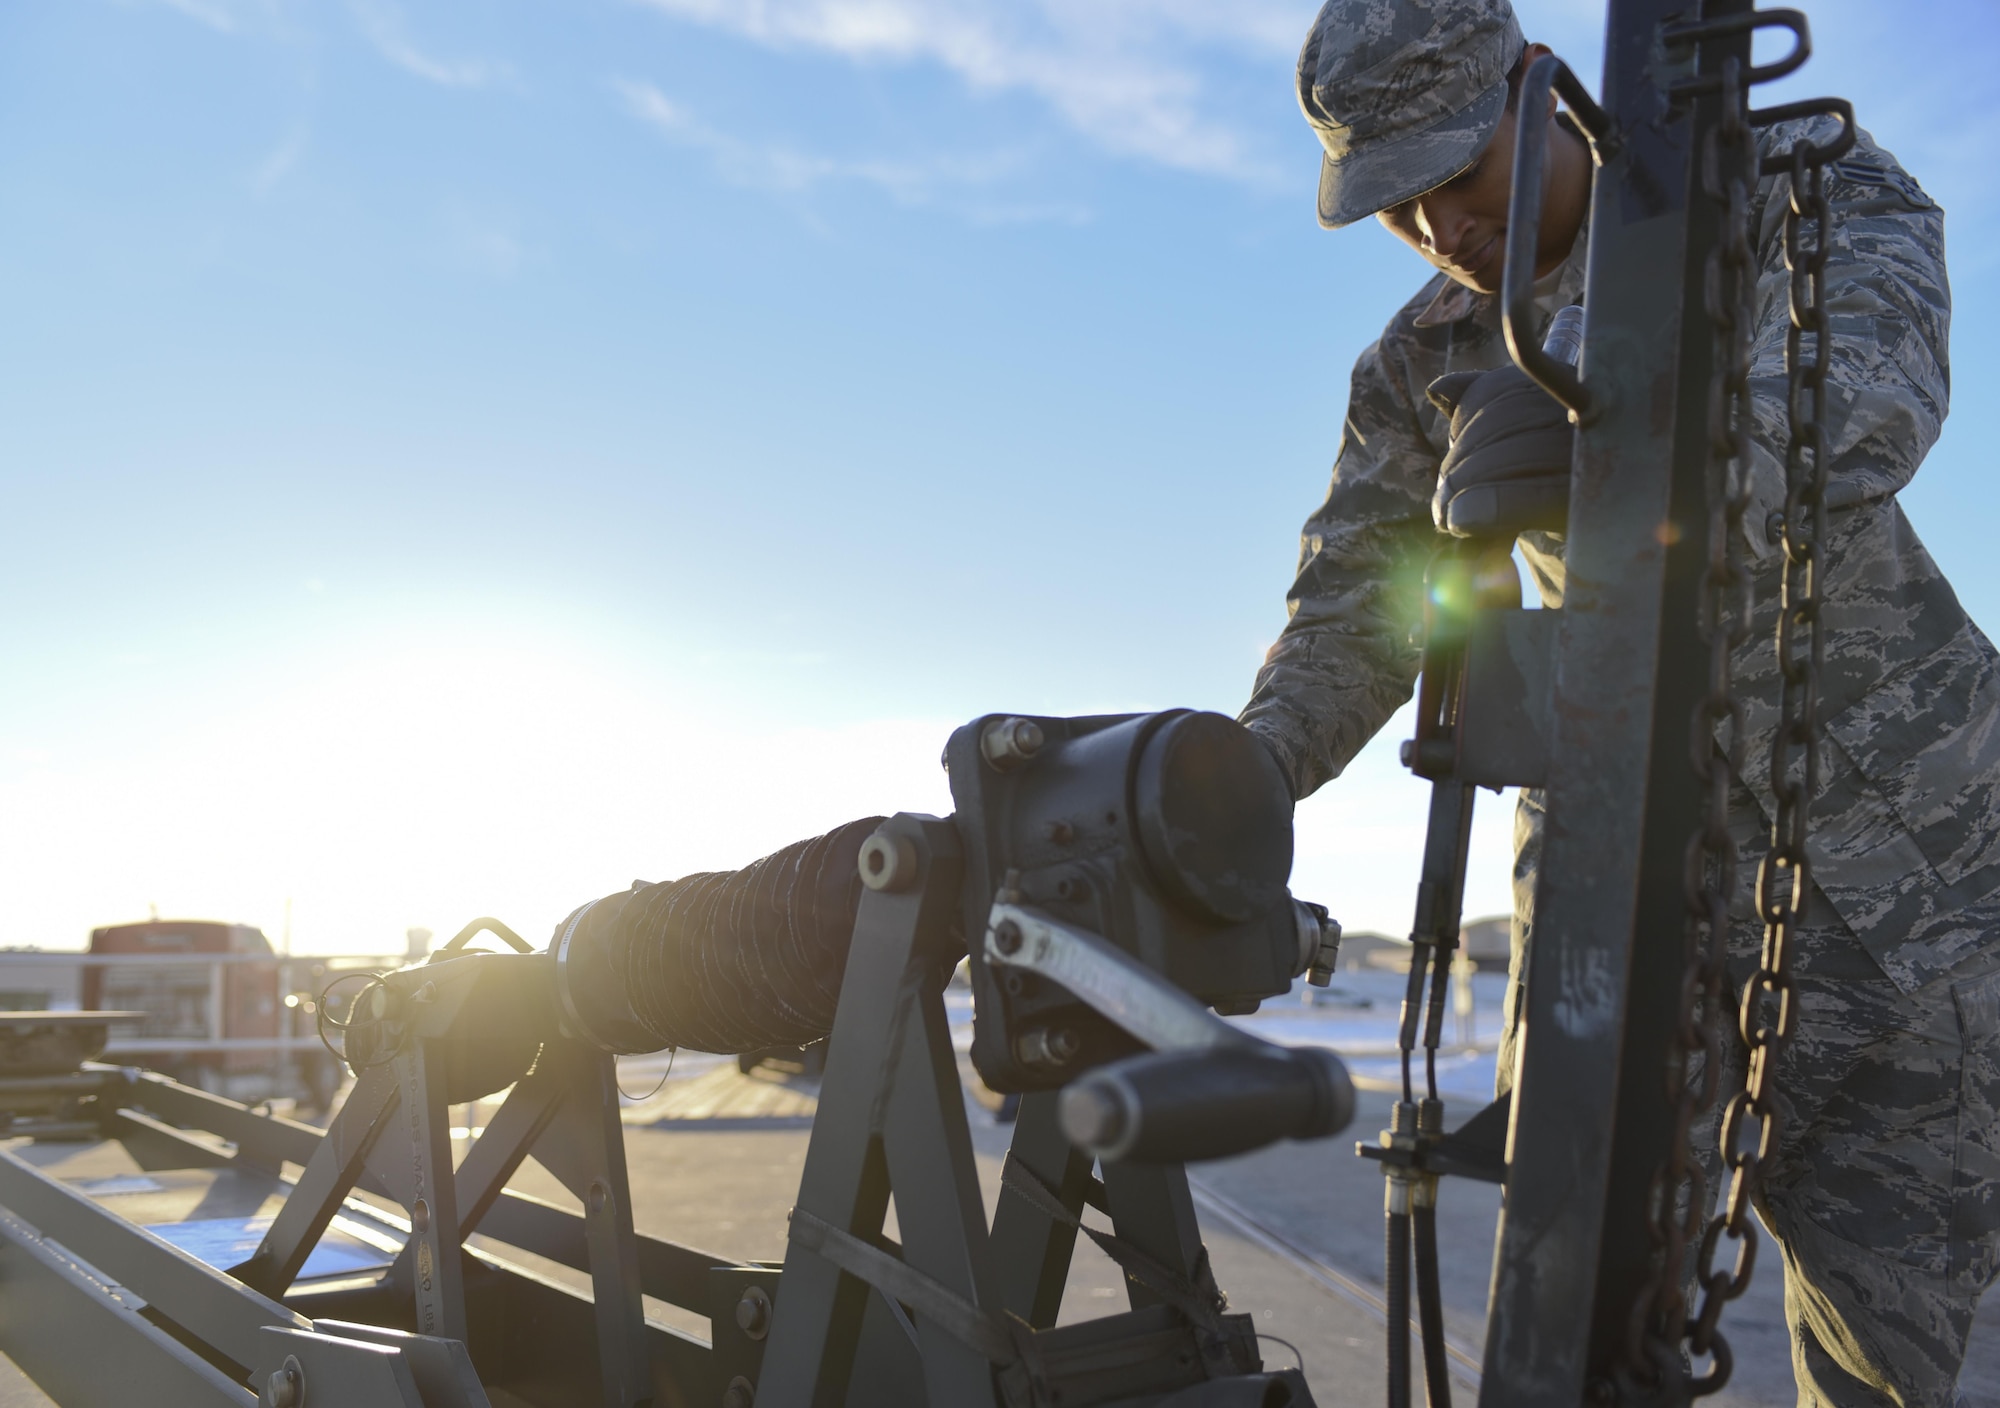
(433, 1195)
(1031, 1250)
(890, 1108)
(590, 1118)
(1590, 1114)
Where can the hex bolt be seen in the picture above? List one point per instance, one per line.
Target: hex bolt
(1007, 937)
(287, 1387)
(753, 1313)
(888, 862)
(741, 1393)
(1047, 1047)
(1007, 743)
(1328, 957)
(1319, 942)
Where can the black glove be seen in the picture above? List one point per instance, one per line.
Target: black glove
(1508, 467)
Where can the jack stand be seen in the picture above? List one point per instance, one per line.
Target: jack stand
(980, 1309)
(564, 1113)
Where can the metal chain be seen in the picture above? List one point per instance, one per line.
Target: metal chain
(1679, 1195)
(1661, 1319)
(1784, 877)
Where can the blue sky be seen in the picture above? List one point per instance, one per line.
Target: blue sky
(459, 457)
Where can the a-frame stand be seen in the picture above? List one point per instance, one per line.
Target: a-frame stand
(979, 1308)
(393, 1137)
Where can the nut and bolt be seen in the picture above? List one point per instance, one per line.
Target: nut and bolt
(1433, 757)
(1007, 937)
(741, 1393)
(1048, 1046)
(1319, 942)
(1007, 743)
(753, 1313)
(287, 1387)
(888, 862)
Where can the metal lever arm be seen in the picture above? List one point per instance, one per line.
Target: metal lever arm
(1206, 1090)
(1118, 986)
(1524, 219)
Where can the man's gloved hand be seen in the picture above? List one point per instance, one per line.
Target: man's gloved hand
(1508, 467)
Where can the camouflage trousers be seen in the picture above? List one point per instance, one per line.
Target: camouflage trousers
(1885, 1196)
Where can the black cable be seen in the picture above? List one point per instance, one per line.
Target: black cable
(323, 1018)
(672, 1053)
(1412, 1011)
(1398, 1288)
(1434, 1016)
(1430, 1307)
(1278, 1339)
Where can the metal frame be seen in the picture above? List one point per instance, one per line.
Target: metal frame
(891, 1122)
(445, 1317)
(1590, 1114)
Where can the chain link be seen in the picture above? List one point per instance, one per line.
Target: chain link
(1663, 1317)
(1679, 1195)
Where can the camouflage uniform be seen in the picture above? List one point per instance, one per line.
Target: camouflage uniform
(1887, 1195)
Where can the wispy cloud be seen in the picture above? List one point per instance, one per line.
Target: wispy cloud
(1127, 74)
(278, 163)
(780, 168)
(383, 24)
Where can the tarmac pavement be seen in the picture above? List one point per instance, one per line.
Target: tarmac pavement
(1294, 1234)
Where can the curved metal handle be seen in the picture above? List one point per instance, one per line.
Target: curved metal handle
(1789, 161)
(1730, 26)
(491, 926)
(1524, 220)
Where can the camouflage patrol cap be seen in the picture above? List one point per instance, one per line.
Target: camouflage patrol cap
(1403, 95)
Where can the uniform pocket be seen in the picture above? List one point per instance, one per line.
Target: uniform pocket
(1975, 1213)
(1928, 740)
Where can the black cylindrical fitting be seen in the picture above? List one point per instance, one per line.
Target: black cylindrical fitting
(1181, 1106)
(726, 961)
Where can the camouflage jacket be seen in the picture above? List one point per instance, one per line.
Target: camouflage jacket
(1906, 825)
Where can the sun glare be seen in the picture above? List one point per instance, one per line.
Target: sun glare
(424, 787)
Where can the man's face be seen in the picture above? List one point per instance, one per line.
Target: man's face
(1461, 227)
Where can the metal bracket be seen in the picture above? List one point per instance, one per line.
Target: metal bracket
(1502, 731)
(337, 1353)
